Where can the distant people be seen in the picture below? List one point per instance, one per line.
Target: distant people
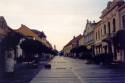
(9, 61)
(19, 54)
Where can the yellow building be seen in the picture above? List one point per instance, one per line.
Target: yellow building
(24, 30)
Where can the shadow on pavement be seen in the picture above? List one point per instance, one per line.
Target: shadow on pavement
(23, 74)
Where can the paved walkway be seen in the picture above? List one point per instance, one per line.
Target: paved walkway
(59, 73)
(23, 74)
(68, 70)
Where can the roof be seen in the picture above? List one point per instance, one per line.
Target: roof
(39, 33)
(98, 23)
(111, 5)
(74, 40)
(49, 45)
(24, 30)
(121, 7)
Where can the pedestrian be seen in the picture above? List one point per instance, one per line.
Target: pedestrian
(9, 62)
(19, 51)
(19, 54)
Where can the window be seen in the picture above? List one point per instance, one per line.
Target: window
(96, 35)
(114, 25)
(99, 34)
(123, 21)
(104, 29)
(109, 28)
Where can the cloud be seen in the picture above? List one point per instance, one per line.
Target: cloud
(60, 19)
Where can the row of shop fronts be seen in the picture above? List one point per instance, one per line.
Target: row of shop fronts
(112, 21)
(98, 36)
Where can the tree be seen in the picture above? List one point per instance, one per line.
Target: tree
(11, 40)
(82, 49)
(54, 52)
(32, 47)
(119, 39)
(8, 47)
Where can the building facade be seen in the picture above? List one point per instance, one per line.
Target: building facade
(81, 41)
(72, 44)
(98, 32)
(98, 37)
(89, 35)
(66, 49)
(112, 20)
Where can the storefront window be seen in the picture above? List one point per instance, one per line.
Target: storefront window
(114, 25)
(104, 29)
(123, 21)
(109, 27)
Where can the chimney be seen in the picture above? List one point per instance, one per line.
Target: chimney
(22, 25)
(54, 47)
(90, 22)
(87, 21)
(74, 37)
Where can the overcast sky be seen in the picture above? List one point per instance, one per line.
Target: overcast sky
(59, 19)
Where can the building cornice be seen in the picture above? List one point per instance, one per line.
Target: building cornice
(107, 10)
(122, 7)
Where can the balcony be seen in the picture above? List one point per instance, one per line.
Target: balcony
(108, 37)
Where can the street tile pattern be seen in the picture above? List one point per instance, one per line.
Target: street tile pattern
(67, 70)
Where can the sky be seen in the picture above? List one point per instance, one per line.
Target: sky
(59, 19)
